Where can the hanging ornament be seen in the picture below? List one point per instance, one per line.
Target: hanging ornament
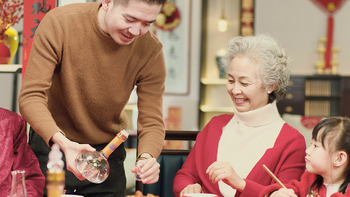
(330, 7)
(168, 18)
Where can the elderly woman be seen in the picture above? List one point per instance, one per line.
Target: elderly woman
(229, 152)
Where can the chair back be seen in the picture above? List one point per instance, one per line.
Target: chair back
(170, 162)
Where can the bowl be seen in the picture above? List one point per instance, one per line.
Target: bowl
(199, 195)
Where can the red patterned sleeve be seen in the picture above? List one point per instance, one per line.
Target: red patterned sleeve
(17, 155)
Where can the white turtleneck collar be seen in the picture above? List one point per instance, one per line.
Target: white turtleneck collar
(258, 117)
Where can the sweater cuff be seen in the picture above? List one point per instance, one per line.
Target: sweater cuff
(251, 188)
(51, 142)
(268, 190)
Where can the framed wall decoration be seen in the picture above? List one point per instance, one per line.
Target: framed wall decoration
(172, 27)
(247, 17)
(34, 11)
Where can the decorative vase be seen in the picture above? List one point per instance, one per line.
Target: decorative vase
(8, 46)
(219, 55)
(5, 54)
(222, 72)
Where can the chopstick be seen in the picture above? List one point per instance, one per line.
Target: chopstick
(273, 176)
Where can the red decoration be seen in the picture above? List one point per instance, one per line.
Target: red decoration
(10, 14)
(330, 7)
(5, 53)
(310, 122)
(168, 18)
(247, 17)
(34, 11)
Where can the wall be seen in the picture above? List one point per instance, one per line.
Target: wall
(189, 103)
(216, 40)
(298, 25)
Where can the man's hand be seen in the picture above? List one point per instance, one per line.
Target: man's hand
(71, 150)
(149, 169)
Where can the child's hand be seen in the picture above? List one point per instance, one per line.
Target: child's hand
(283, 193)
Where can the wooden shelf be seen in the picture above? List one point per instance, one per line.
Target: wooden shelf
(10, 68)
(322, 97)
(214, 93)
(207, 108)
(208, 81)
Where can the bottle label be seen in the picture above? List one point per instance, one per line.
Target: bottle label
(112, 146)
(54, 192)
(122, 136)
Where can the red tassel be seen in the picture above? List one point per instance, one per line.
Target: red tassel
(329, 44)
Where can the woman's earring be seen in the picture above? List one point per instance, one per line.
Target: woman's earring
(268, 92)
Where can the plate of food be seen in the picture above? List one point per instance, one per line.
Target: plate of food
(139, 194)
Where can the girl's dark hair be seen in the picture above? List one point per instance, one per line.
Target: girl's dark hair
(337, 131)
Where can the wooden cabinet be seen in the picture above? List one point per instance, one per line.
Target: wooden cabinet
(317, 95)
(294, 100)
(345, 96)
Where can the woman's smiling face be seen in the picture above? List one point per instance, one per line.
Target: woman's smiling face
(245, 86)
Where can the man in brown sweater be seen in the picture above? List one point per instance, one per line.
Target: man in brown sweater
(84, 63)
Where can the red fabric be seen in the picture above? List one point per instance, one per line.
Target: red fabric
(309, 122)
(301, 187)
(286, 160)
(17, 155)
(328, 54)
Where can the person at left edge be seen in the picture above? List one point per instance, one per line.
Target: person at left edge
(16, 154)
(84, 63)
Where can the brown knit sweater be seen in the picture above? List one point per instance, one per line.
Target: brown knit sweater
(78, 81)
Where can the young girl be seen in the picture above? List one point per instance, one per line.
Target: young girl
(327, 163)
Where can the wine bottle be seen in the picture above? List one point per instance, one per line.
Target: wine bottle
(55, 176)
(94, 165)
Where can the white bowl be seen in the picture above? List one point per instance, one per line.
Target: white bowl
(199, 195)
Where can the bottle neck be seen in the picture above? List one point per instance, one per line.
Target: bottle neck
(120, 138)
